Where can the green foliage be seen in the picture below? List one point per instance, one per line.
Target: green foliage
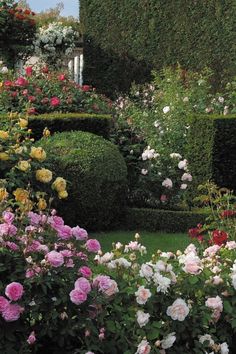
(58, 122)
(96, 174)
(164, 220)
(159, 33)
(212, 150)
(17, 31)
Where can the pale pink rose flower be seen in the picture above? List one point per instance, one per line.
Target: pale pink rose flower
(102, 282)
(211, 251)
(142, 295)
(31, 339)
(214, 303)
(77, 296)
(216, 280)
(55, 258)
(112, 289)
(231, 245)
(85, 271)
(83, 284)
(168, 341)
(146, 271)
(79, 233)
(143, 347)
(69, 263)
(12, 312)
(191, 248)
(3, 303)
(187, 177)
(192, 265)
(178, 310)
(167, 183)
(142, 318)
(93, 245)
(14, 291)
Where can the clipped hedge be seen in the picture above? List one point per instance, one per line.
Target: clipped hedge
(96, 174)
(162, 220)
(99, 124)
(159, 33)
(212, 150)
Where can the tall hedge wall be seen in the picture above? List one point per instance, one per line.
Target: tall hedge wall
(157, 33)
(212, 150)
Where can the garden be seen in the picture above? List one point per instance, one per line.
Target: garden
(117, 201)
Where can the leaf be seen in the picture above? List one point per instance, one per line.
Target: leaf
(153, 334)
(193, 280)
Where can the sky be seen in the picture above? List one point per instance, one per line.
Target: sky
(70, 6)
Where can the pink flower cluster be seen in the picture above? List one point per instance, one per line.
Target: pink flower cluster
(105, 284)
(82, 288)
(11, 312)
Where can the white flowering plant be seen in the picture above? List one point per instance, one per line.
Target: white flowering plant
(55, 42)
(181, 302)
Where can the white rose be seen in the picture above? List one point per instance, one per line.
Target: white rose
(206, 337)
(167, 183)
(166, 109)
(163, 283)
(178, 310)
(221, 99)
(144, 171)
(182, 164)
(183, 186)
(4, 70)
(142, 318)
(146, 271)
(224, 349)
(175, 155)
(167, 342)
(187, 177)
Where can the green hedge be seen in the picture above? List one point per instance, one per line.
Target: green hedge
(162, 220)
(99, 124)
(195, 34)
(97, 178)
(212, 150)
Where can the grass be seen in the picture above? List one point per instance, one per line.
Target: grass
(152, 240)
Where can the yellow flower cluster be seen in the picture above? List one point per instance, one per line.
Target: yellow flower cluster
(59, 185)
(43, 175)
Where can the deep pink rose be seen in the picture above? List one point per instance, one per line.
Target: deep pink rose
(8, 217)
(25, 92)
(7, 230)
(21, 81)
(28, 70)
(31, 98)
(12, 312)
(3, 303)
(62, 77)
(77, 296)
(86, 88)
(14, 291)
(31, 110)
(12, 246)
(79, 233)
(64, 232)
(35, 218)
(55, 258)
(83, 284)
(93, 245)
(55, 101)
(55, 221)
(31, 339)
(85, 271)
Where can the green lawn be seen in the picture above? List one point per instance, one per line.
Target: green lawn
(152, 240)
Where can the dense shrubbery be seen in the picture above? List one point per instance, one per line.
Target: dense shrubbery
(96, 175)
(41, 91)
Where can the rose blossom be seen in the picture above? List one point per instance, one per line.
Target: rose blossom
(55, 258)
(77, 296)
(102, 282)
(146, 271)
(211, 251)
(79, 233)
(85, 271)
(167, 183)
(187, 177)
(93, 245)
(168, 341)
(55, 101)
(83, 284)
(214, 303)
(166, 109)
(143, 347)
(8, 217)
(224, 349)
(182, 164)
(31, 339)
(231, 245)
(178, 310)
(192, 264)
(3, 303)
(142, 295)
(64, 232)
(14, 291)
(219, 237)
(12, 312)
(112, 288)
(142, 318)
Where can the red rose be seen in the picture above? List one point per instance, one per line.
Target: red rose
(21, 81)
(219, 237)
(55, 101)
(28, 70)
(27, 12)
(8, 83)
(31, 98)
(61, 77)
(45, 70)
(227, 214)
(86, 88)
(31, 110)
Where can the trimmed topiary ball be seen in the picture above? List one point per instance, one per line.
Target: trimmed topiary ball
(97, 178)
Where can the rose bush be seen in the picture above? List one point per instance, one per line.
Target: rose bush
(41, 91)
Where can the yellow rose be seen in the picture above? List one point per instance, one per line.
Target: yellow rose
(23, 123)
(4, 135)
(38, 153)
(23, 166)
(59, 184)
(3, 194)
(42, 204)
(46, 132)
(62, 194)
(4, 156)
(21, 195)
(44, 175)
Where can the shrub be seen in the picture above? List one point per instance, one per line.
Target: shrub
(96, 174)
(212, 150)
(99, 124)
(164, 220)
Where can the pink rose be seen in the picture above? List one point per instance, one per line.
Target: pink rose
(14, 291)
(211, 251)
(93, 245)
(102, 282)
(61, 77)
(77, 296)
(85, 271)
(7, 230)
(28, 70)
(112, 289)
(86, 88)
(8, 217)
(64, 232)
(55, 101)
(31, 339)
(21, 81)
(79, 233)
(12, 246)
(35, 218)
(55, 221)
(142, 295)
(3, 303)
(143, 347)
(55, 258)
(214, 303)
(83, 284)
(12, 312)
(178, 310)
